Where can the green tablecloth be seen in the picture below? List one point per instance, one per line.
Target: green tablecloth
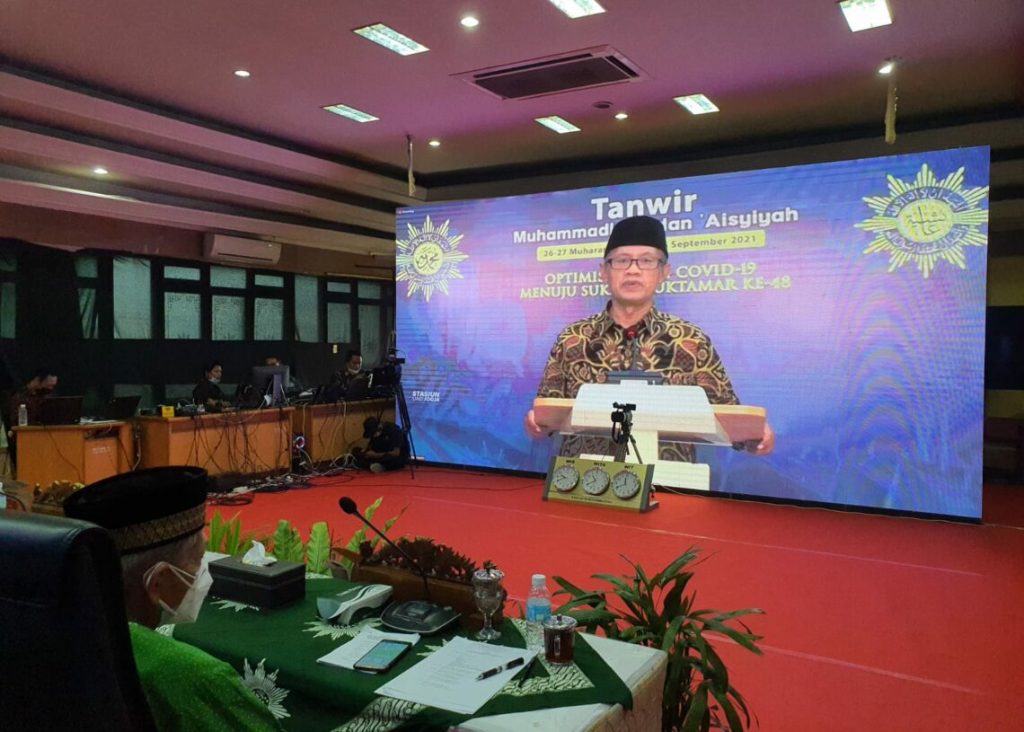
(275, 651)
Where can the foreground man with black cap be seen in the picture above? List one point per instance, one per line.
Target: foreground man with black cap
(156, 517)
(631, 329)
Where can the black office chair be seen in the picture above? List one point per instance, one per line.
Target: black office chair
(67, 658)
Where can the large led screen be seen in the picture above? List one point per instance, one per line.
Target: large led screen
(846, 298)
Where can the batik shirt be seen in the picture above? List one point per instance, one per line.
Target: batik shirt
(588, 349)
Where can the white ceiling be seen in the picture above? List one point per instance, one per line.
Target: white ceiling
(146, 89)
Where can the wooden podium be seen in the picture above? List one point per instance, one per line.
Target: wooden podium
(664, 412)
(80, 453)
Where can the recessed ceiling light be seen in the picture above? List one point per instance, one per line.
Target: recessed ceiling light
(242, 74)
(696, 104)
(100, 170)
(351, 113)
(468, 21)
(578, 8)
(557, 124)
(390, 39)
(864, 14)
(621, 115)
(434, 143)
(887, 67)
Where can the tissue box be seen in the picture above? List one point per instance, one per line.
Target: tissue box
(266, 587)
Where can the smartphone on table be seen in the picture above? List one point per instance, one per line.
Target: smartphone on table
(382, 656)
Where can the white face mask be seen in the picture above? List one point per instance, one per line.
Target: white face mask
(188, 609)
(214, 381)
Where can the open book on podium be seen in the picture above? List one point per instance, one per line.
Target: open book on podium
(663, 413)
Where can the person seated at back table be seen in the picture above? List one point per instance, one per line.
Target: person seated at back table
(293, 385)
(156, 518)
(207, 392)
(42, 385)
(353, 370)
(347, 380)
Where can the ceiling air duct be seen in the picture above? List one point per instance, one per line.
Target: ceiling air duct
(572, 71)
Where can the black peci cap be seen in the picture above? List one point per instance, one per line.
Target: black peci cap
(146, 508)
(638, 231)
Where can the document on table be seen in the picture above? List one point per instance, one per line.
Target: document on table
(346, 655)
(447, 678)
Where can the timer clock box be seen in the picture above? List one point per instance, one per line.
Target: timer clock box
(605, 483)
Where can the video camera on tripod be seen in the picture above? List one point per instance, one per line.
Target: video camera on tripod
(622, 431)
(389, 374)
(387, 381)
(622, 421)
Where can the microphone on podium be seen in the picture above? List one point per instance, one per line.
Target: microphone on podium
(349, 506)
(634, 347)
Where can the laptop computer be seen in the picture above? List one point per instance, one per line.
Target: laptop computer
(357, 389)
(59, 410)
(122, 407)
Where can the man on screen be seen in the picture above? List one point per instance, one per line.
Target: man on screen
(631, 328)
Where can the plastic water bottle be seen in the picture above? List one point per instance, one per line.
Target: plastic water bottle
(538, 609)
(22, 415)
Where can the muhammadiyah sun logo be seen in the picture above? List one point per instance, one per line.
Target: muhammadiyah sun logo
(927, 220)
(428, 258)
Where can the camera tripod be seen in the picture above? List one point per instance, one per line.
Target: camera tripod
(394, 363)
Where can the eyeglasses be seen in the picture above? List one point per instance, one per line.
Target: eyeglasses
(641, 262)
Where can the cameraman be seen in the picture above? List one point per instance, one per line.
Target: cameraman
(388, 447)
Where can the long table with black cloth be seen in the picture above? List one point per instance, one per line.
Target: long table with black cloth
(610, 686)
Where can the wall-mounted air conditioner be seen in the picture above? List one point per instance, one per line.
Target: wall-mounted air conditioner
(237, 250)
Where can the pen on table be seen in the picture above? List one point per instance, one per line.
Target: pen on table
(498, 669)
(527, 670)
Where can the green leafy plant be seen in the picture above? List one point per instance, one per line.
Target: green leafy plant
(318, 549)
(287, 543)
(657, 611)
(226, 537)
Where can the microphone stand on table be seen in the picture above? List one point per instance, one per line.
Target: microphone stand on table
(411, 616)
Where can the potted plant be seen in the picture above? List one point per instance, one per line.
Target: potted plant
(657, 611)
(228, 537)
(364, 559)
(448, 574)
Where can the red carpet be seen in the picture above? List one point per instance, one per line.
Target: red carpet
(873, 622)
